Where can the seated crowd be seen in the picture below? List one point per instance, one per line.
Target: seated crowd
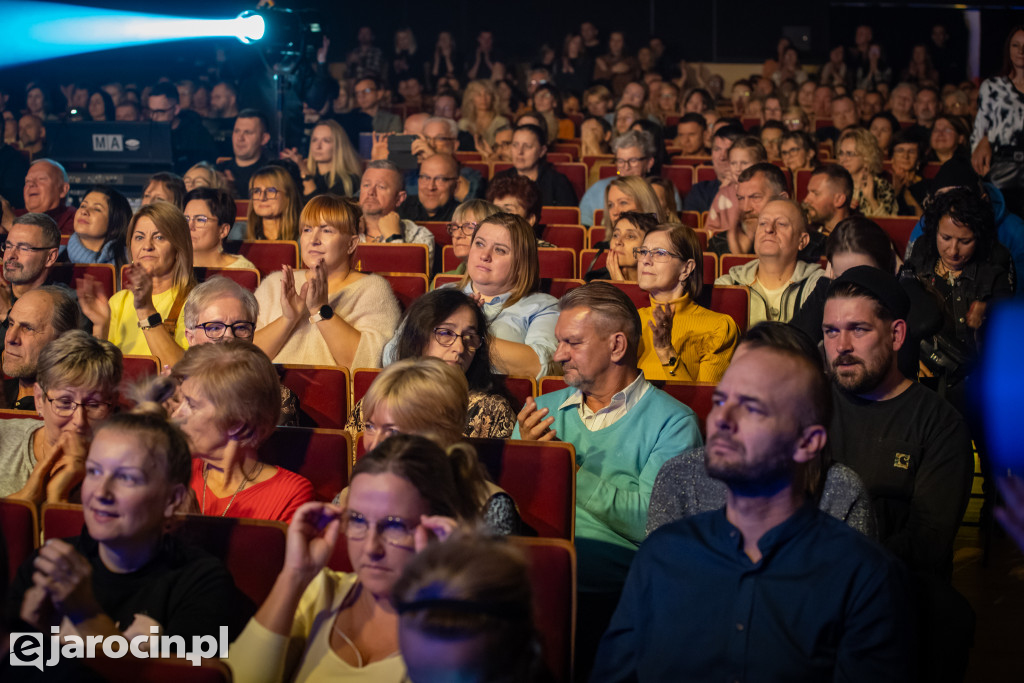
(820, 433)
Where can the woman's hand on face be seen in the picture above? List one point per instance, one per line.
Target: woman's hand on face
(316, 289)
(293, 304)
(312, 536)
(68, 469)
(437, 526)
(67, 577)
(94, 303)
(981, 158)
(612, 263)
(141, 284)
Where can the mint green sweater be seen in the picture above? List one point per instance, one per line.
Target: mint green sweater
(617, 469)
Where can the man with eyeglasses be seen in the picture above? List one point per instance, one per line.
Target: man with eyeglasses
(435, 198)
(36, 319)
(623, 430)
(634, 156)
(45, 191)
(778, 281)
(29, 253)
(440, 135)
(380, 195)
(248, 142)
(190, 141)
(368, 97)
(220, 310)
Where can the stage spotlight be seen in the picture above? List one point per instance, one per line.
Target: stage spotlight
(35, 31)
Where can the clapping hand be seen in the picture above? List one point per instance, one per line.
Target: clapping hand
(94, 303)
(316, 288)
(66, 577)
(534, 425)
(661, 331)
(141, 284)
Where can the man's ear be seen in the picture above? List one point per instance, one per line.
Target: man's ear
(51, 258)
(619, 346)
(402, 196)
(265, 139)
(810, 443)
(899, 334)
(805, 239)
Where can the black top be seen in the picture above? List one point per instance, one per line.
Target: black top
(555, 189)
(823, 603)
(701, 195)
(913, 453)
(187, 591)
(412, 210)
(242, 174)
(13, 169)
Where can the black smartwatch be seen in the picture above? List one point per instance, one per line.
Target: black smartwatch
(151, 322)
(325, 313)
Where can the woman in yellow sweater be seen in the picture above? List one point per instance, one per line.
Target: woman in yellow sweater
(681, 340)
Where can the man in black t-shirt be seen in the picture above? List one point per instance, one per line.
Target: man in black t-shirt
(248, 139)
(911, 448)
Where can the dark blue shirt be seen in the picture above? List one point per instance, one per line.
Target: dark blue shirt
(824, 603)
(701, 195)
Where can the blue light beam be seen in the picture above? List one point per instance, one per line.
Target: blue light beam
(34, 31)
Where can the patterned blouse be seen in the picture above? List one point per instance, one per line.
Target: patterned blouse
(490, 416)
(883, 203)
(1000, 114)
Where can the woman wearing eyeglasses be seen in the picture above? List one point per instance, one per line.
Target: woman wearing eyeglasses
(681, 340)
(229, 403)
(859, 154)
(447, 324)
(320, 624)
(467, 216)
(210, 214)
(273, 206)
(76, 389)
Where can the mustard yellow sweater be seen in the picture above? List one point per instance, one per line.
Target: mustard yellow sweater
(703, 341)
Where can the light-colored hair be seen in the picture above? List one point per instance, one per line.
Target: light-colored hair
(525, 268)
(330, 209)
(616, 310)
(481, 209)
(453, 128)
(344, 160)
(639, 190)
(217, 180)
(867, 147)
(282, 180)
(635, 138)
(78, 359)
(239, 379)
(205, 293)
(171, 223)
(469, 112)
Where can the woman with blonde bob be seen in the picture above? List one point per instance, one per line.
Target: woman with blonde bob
(273, 206)
(629, 193)
(503, 275)
(858, 152)
(681, 340)
(427, 397)
(480, 115)
(230, 402)
(332, 164)
(144, 318)
(465, 611)
(329, 313)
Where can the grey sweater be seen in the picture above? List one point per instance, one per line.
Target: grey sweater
(683, 488)
(17, 459)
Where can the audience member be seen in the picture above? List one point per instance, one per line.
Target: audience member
(480, 116)
(905, 171)
(36, 319)
(101, 225)
(190, 141)
(702, 193)
(210, 213)
(274, 205)
(248, 141)
(437, 181)
(766, 434)
(623, 430)
(381, 199)
(369, 96)
(529, 152)
(144, 318)
(332, 164)
(797, 151)
(948, 137)
(329, 313)
(164, 187)
(829, 193)
(724, 212)
(690, 135)
(204, 174)
(467, 216)
(884, 126)
(626, 236)
(124, 574)
(681, 340)
(31, 136)
(518, 195)
(30, 252)
(859, 155)
(441, 135)
(46, 190)
(634, 156)
(756, 186)
(926, 107)
(630, 193)
(778, 281)
(404, 489)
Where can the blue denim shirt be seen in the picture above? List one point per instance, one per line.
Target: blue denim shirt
(530, 321)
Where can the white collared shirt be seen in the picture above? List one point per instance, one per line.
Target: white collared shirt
(620, 404)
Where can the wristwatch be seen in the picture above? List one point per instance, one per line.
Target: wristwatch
(325, 313)
(151, 322)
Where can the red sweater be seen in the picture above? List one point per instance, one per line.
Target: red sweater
(275, 499)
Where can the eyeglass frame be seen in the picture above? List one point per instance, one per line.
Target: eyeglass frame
(22, 248)
(264, 192)
(203, 326)
(107, 406)
(200, 219)
(454, 227)
(655, 254)
(442, 333)
(347, 520)
(631, 162)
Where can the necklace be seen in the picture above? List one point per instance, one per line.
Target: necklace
(350, 601)
(246, 478)
(945, 273)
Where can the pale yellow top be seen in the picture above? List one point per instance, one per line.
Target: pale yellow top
(124, 330)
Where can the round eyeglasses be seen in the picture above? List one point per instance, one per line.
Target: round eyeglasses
(471, 341)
